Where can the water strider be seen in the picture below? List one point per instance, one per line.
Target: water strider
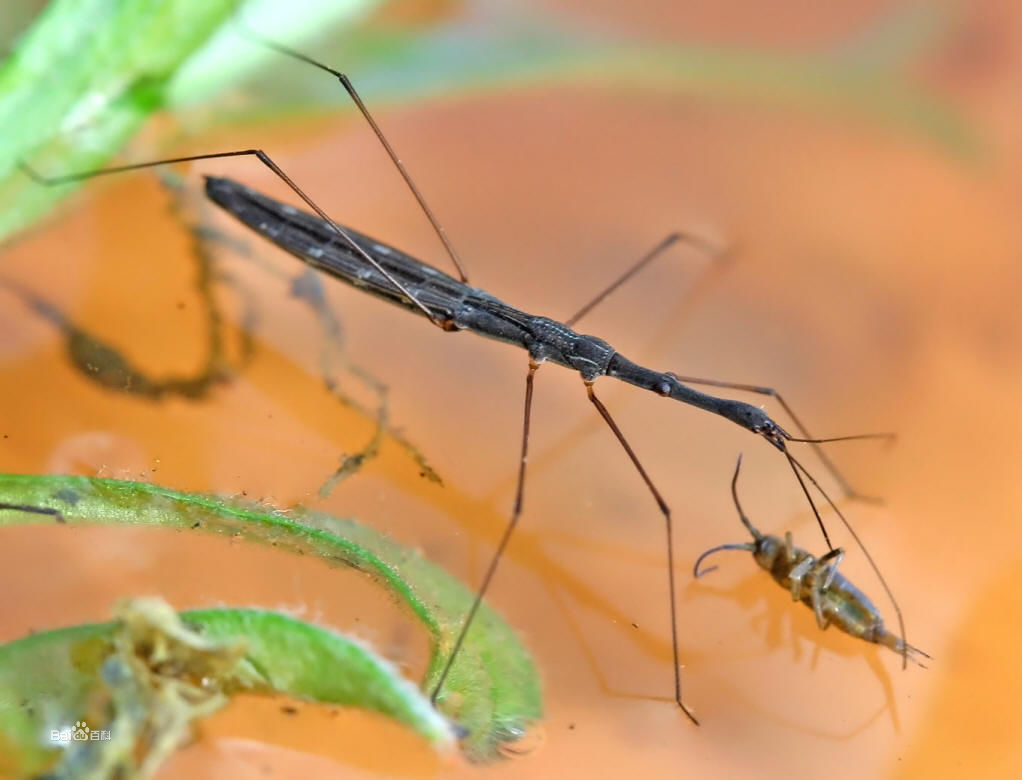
(816, 582)
(453, 305)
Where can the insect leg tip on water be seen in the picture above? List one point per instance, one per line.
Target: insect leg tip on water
(688, 713)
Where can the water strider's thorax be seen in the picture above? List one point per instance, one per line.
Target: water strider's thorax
(556, 342)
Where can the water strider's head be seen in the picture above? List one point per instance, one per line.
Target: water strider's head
(755, 419)
(752, 418)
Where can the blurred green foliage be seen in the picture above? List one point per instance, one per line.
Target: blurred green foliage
(85, 76)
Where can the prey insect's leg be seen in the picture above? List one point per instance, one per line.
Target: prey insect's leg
(828, 566)
(823, 575)
(353, 94)
(846, 488)
(264, 158)
(798, 574)
(666, 510)
(789, 547)
(516, 512)
(671, 240)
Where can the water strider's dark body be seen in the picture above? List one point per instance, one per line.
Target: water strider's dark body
(460, 306)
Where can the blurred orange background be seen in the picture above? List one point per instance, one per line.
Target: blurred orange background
(875, 283)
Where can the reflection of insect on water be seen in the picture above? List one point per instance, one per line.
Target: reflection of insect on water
(453, 305)
(815, 582)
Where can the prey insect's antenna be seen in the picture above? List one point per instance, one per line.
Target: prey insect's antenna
(738, 504)
(265, 159)
(353, 94)
(744, 546)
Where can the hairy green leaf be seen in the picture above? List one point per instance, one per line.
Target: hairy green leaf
(493, 689)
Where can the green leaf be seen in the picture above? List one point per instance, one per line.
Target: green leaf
(141, 681)
(83, 79)
(493, 689)
(80, 83)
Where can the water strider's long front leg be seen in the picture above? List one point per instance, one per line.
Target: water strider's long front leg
(666, 510)
(799, 571)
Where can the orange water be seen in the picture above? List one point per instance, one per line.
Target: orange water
(875, 285)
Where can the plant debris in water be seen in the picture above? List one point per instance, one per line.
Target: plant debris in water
(114, 700)
(492, 692)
